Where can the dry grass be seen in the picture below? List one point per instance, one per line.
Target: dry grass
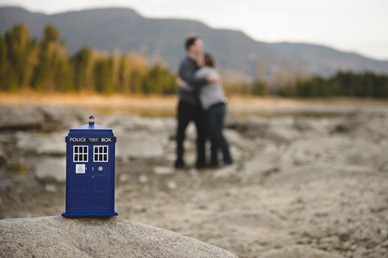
(162, 105)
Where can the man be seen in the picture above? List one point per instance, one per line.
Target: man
(189, 106)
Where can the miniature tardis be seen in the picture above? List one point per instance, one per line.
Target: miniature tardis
(90, 171)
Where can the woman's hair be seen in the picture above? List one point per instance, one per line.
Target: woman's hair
(209, 60)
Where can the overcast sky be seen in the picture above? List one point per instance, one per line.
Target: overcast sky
(349, 25)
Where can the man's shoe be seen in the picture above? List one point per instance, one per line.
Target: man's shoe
(179, 165)
(228, 163)
(201, 166)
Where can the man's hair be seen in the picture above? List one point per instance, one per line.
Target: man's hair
(190, 41)
(209, 60)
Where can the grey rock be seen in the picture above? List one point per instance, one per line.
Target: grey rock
(20, 118)
(299, 251)
(282, 121)
(310, 151)
(172, 185)
(62, 118)
(96, 237)
(347, 123)
(225, 172)
(161, 170)
(51, 169)
(138, 145)
(143, 179)
(282, 134)
(262, 164)
(42, 143)
(253, 126)
(52, 144)
(247, 219)
(137, 123)
(27, 142)
(319, 127)
(363, 153)
(329, 243)
(237, 143)
(51, 188)
(300, 175)
(233, 137)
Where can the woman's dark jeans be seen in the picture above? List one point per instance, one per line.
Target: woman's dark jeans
(215, 117)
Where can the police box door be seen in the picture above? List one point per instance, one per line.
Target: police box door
(91, 181)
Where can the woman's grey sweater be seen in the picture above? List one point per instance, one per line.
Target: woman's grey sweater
(211, 93)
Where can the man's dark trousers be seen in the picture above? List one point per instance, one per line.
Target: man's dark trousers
(185, 114)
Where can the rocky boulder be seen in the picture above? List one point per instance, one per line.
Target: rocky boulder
(51, 169)
(139, 145)
(23, 118)
(96, 237)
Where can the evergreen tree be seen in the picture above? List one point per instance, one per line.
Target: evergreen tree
(159, 80)
(103, 76)
(44, 72)
(259, 88)
(6, 78)
(81, 63)
(19, 57)
(136, 68)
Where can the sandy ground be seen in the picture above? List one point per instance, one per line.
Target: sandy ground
(322, 189)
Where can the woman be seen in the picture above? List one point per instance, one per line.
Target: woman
(214, 103)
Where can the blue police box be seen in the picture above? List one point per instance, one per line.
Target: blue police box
(90, 171)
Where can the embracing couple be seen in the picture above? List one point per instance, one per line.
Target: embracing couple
(201, 99)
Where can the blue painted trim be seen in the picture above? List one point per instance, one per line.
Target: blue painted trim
(89, 214)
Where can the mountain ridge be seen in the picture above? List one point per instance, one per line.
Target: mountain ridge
(107, 29)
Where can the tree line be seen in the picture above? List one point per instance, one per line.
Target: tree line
(341, 84)
(45, 65)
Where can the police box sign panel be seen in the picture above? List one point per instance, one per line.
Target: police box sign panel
(90, 139)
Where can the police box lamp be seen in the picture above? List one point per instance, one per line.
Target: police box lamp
(91, 120)
(90, 171)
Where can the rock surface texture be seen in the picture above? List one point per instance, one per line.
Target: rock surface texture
(96, 237)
